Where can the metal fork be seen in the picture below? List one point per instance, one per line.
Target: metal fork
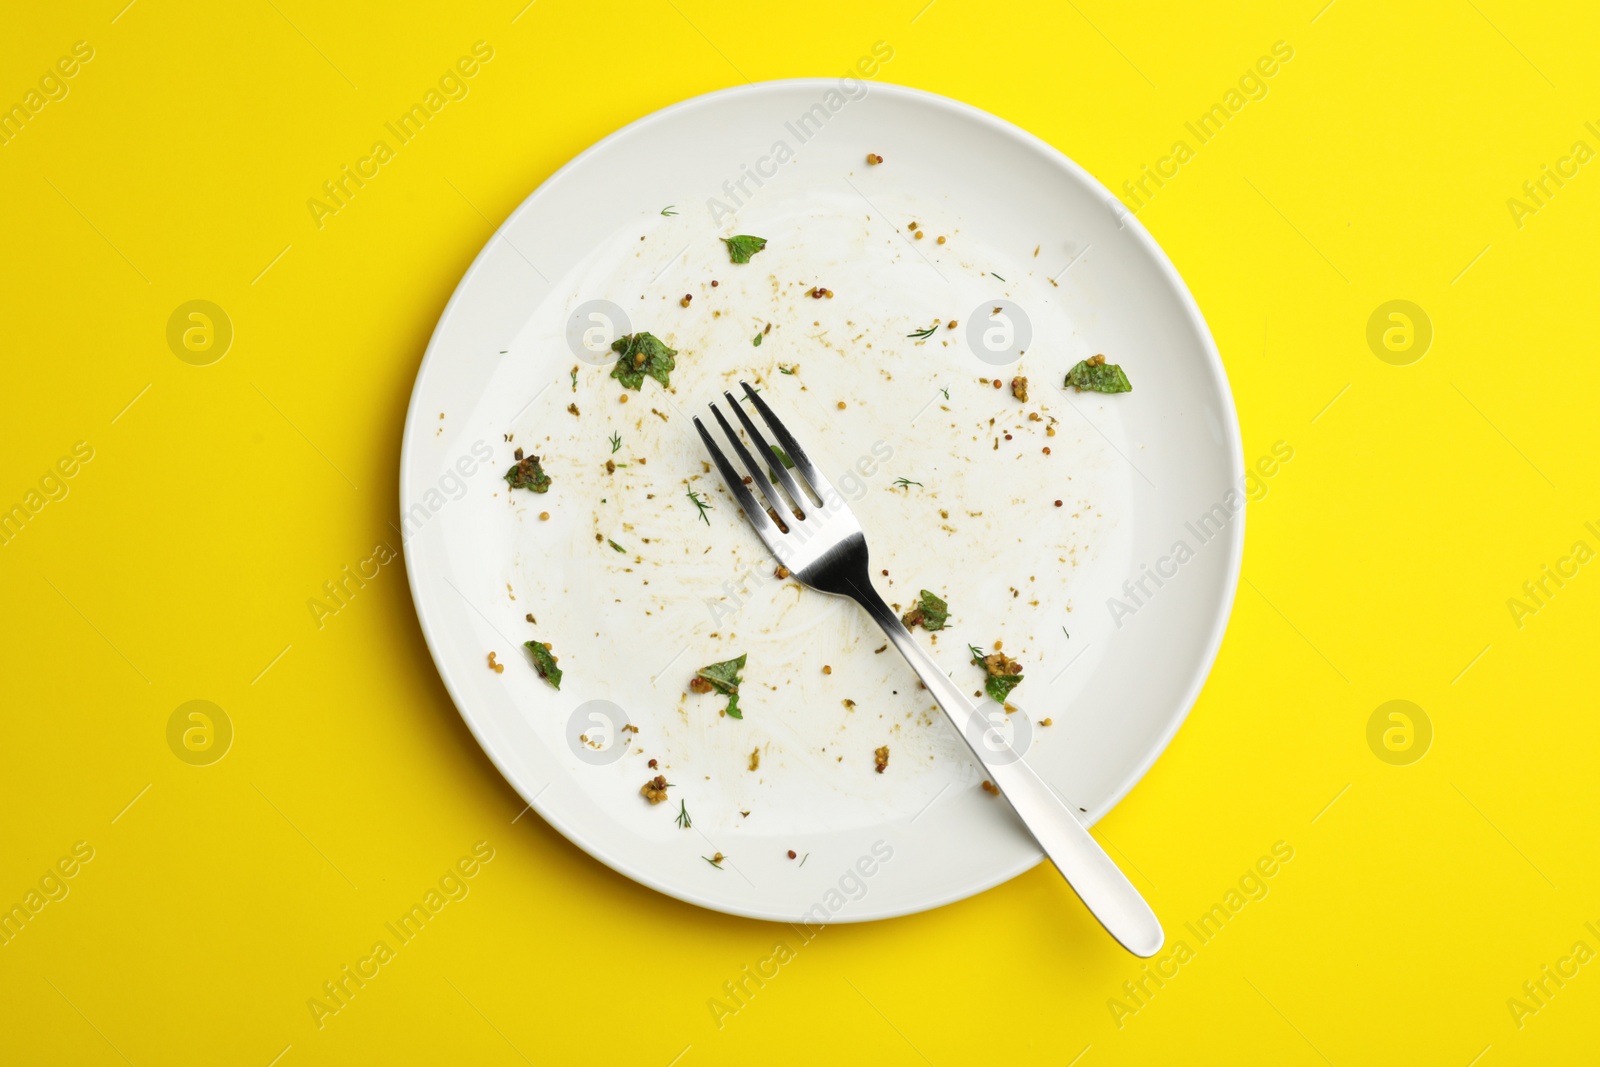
(817, 538)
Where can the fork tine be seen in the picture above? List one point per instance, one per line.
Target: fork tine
(775, 464)
(802, 462)
(757, 470)
(753, 511)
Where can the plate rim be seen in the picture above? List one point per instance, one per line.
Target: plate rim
(1232, 442)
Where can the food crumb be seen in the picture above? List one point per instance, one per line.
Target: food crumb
(997, 383)
(755, 758)
(841, 405)
(686, 298)
(941, 238)
(1058, 503)
(952, 323)
(544, 516)
(880, 758)
(791, 853)
(826, 669)
(623, 399)
(990, 788)
(1019, 388)
(873, 159)
(781, 572)
(700, 685)
(572, 409)
(652, 765)
(655, 790)
(1046, 722)
(498, 668)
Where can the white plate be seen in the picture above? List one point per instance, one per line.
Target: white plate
(1137, 474)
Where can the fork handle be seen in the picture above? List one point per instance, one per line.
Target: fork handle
(1077, 855)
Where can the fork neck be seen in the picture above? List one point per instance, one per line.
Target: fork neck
(851, 578)
(942, 687)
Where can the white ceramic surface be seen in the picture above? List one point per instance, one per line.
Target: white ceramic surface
(1027, 232)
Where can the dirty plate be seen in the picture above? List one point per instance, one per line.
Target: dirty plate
(1097, 537)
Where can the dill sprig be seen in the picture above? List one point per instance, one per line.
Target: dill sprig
(683, 820)
(702, 504)
(924, 334)
(616, 442)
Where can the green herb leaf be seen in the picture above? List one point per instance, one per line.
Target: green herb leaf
(616, 442)
(999, 686)
(1002, 673)
(785, 370)
(724, 678)
(930, 612)
(1099, 377)
(922, 334)
(702, 504)
(783, 457)
(906, 483)
(715, 863)
(756, 340)
(642, 354)
(526, 473)
(683, 820)
(616, 546)
(743, 246)
(544, 663)
(668, 210)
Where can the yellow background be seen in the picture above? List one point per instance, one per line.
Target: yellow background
(1378, 567)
